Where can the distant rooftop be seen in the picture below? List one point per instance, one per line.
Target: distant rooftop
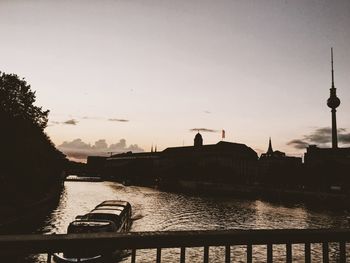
(221, 146)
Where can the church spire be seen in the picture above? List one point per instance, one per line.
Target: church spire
(269, 150)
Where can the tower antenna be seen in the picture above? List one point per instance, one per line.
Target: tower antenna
(332, 67)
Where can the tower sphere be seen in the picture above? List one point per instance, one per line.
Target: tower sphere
(333, 102)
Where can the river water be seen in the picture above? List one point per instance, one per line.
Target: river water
(154, 210)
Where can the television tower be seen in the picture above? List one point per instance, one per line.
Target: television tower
(333, 102)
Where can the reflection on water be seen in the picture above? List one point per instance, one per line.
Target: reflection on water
(154, 210)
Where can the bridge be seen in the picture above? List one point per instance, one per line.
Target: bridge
(102, 242)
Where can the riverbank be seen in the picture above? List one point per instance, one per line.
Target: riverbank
(315, 198)
(17, 217)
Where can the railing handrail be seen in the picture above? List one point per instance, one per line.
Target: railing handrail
(36, 243)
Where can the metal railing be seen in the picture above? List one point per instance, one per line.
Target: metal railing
(182, 239)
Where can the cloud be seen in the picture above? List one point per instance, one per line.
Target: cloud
(70, 122)
(298, 144)
(91, 118)
(320, 136)
(78, 149)
(55, 122)
(120, 120)
(344, 138)
(203, 130)
(100, 145)
(67, 122)
(74, 121)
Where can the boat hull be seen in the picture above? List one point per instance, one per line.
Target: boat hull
(60, 258)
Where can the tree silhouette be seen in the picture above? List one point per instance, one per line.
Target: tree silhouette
(31, 166)
(17, 100)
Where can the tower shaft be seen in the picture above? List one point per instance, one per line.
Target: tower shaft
(334, 129)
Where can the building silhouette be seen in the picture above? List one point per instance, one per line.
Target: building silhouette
(271, 154)
(224, 161)
(275, 168)
(137, 168)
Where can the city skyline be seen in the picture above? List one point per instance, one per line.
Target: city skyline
(133, 75)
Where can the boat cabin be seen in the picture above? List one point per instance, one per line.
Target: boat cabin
(116, 204)
(80, 226)
(105, 215)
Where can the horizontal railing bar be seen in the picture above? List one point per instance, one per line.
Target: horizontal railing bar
(168, 239)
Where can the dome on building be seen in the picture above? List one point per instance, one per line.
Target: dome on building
(198, 140)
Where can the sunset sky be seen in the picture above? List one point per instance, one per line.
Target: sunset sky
(132, 73)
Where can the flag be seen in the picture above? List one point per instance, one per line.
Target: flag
(223, 134)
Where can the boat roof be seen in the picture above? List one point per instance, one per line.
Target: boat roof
(106, 212)
(115, 202)
(90, 223)
(110, 207)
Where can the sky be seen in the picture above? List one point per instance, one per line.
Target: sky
(121, 75)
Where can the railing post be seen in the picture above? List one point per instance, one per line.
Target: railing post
(269, 253)
(182, 255)
(159, 254)
(325, 252)
(289, 252)
(228, 254)
(342, 257)
(307, 253)
(133, 255)
(206, 254)
(249, 253)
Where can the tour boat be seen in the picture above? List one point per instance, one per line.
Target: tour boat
(108, 216)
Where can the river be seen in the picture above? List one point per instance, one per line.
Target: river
(154, 210)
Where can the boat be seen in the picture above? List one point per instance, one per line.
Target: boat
(108, 216)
